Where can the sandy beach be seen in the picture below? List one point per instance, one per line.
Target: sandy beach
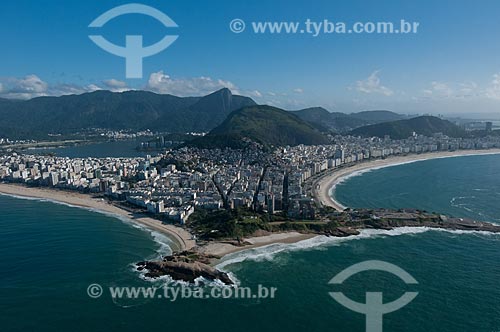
(323, 185)
(221, 249)
(181, 237)
(184, 240)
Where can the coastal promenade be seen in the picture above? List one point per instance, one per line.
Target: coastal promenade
(322, 186)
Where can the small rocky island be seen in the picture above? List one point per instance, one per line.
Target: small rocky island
(190, 265)
(184, 266)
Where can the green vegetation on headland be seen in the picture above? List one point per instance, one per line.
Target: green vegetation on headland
(232, 225)
(238, 223)
(266, 125)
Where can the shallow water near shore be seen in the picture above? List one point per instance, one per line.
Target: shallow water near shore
(466, 186)
(51, 253)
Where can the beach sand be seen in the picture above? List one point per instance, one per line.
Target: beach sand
(221, 249)
(321, 192)
(323, 185)
(180, 236)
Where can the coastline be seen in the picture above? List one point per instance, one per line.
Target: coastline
(180, 236)
(221, 248)
(323, 186)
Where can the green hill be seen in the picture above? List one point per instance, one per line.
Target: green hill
(423, 125)
(136, 110)
(329, 121)
(343, 123)
(377, 116)
(263, 124)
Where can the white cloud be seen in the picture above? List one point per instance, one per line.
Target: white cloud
(441, 90)
(372, 85)
(468, 90)
(298, 90)
(32, 86)
(255, 93)
(438, 89)
(28, 87)
(162, 83)
(71, 89)
(115, 85)
(493, 91)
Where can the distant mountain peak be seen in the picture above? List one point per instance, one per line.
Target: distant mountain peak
(135, 110)
(263, 124)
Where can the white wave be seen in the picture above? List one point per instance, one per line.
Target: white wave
(167, 280)
(342, 179)
(164, 241)
(267, 253)
(464, 232)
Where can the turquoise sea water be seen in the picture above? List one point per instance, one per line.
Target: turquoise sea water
(51, 253)
(463, 186)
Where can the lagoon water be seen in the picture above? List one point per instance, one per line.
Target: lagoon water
(121, 148)
(51, 253)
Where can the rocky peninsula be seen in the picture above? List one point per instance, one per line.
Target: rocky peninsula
(190, 265)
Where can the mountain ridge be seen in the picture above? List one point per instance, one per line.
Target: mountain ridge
(342, 122)
(135, 110)
(401, 129)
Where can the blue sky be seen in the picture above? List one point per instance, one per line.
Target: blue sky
(452, 65)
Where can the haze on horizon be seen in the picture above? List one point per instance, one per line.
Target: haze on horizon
(449, 67)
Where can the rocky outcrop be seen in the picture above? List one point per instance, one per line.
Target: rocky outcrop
(341, 232)
(435, 221)
(185, 266)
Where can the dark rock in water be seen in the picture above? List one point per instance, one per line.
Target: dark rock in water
(185, 266)
(389, 219)
(342, 232)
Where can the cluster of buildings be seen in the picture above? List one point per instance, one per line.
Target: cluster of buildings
(173, 184)
(121, 134)
(348, 149)
(7, 141)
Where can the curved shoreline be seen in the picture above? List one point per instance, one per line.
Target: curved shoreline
(321, 189)
(325, 185)
(181, 237)
(178, 235)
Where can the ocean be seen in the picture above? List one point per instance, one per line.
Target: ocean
(51, 253)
